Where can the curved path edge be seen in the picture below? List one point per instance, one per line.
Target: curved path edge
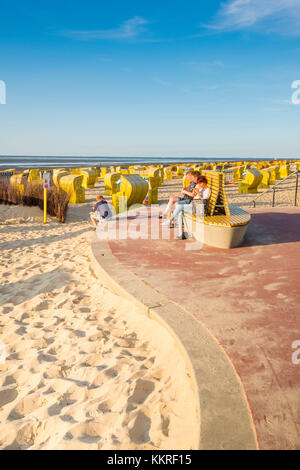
(225, 417)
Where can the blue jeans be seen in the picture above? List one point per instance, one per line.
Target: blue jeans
(186, 208)
(180, 208)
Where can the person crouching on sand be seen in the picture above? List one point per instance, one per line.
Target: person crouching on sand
(101, 211)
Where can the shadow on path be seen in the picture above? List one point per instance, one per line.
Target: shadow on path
(273, 228)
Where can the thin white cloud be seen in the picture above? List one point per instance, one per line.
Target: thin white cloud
(187, 89)
(281, 16)
(205, 67)
(162, 82)
(283, 101)
(130, 29)
(104, 58)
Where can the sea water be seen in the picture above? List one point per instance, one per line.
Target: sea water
(27, 161)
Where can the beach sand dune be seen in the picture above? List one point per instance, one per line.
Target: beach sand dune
(84, 369)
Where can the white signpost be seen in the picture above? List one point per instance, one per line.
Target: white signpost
(46, 180)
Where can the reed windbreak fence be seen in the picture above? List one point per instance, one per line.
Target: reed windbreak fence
(32, 194)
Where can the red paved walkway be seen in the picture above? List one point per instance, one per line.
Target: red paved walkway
(249, 298)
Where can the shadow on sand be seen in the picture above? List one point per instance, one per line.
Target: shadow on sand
(45, 240)
(21, 291)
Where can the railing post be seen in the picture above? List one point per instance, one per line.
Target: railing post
(273, 201)
(296, 189)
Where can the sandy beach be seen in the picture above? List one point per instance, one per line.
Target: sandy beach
(84, 369)
(164, 316)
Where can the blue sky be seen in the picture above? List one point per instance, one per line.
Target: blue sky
(157, 78)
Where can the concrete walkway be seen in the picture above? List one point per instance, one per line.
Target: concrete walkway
(249, 300)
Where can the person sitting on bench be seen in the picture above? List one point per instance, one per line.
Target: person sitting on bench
(201, 192)
(187, 194)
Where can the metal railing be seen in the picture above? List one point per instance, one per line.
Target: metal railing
(228, 176)
(290, 193)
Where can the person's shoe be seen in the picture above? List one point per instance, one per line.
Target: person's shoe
(167, 223)
(181, 237)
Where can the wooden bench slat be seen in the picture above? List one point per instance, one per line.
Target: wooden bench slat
(218, 210)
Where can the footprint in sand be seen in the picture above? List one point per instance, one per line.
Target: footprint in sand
(49, 391)
(46, 358)
(27, 435)
(108, 319)
(40, 344)
(54, 351)
(139, 358)
(24, 355)
(26, 406)
(53, 373)
(148, 364)
(61, 304)
(7, 309)
(9, 380)
(42, 306)
(50, 340)
(125, 352)
(7, 396)
(79, 333)
(21, 331)
(68, 419)
(89, 432)
(24, 316)
(57, 407)
(92, 361)
(126, 343)
(165, 421)
(98, 381)
(96, 337)
(38, 324)
(142, 390)
(112, 372)
(84, 310)
(139, 432)
(106, 406)
(20, 377)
